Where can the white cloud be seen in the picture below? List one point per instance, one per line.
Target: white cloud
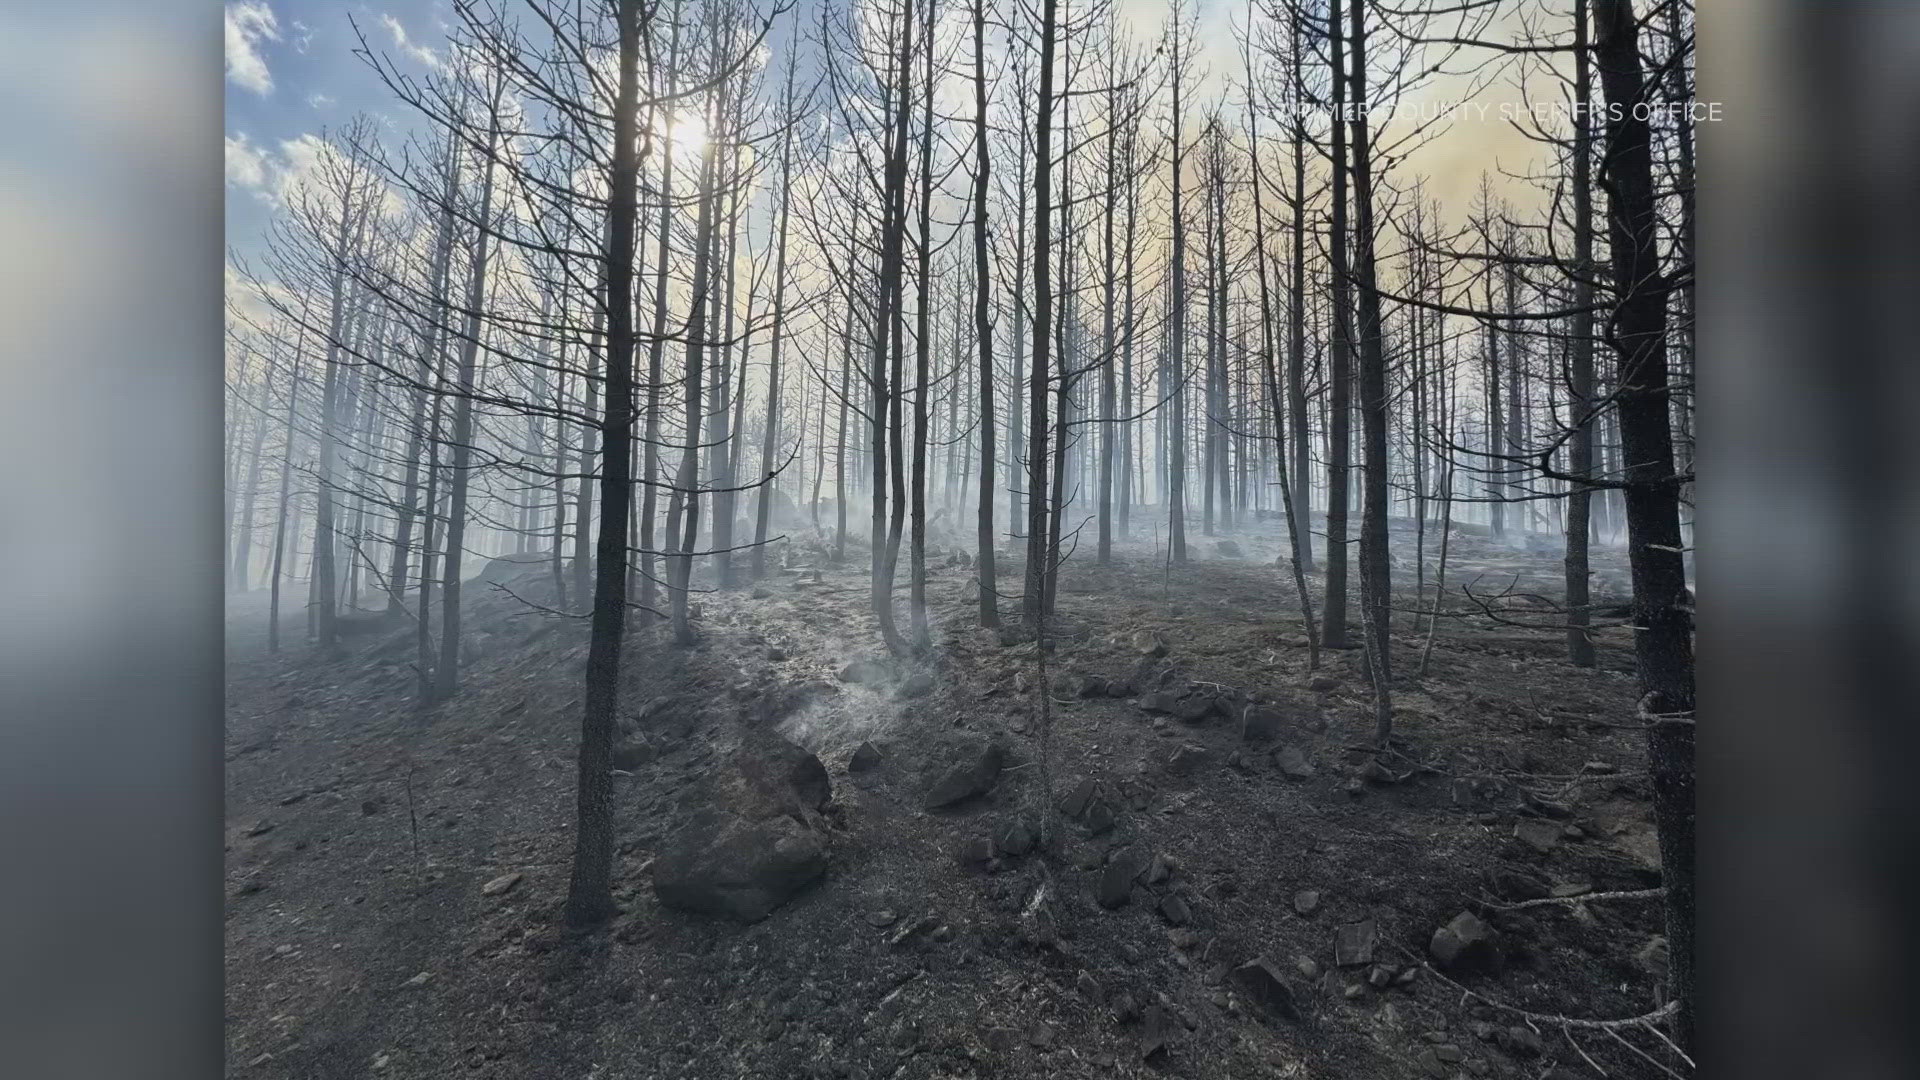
(404, 44)
(247, 164)
(319, 101)
(249, 25)
(302, 36)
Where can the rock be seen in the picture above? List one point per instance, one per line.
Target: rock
(762, 594)
(1307, 968)
(1405, 978)
(1378, 773)
(1119, 688)
(1448, 1053)
(1194, 710)
(1353, 944)
(865, 672)
(1571, 889)
(260, 828)
(1293, 762)
(1260, 723)
(632, 753)
(1599, 768)
(1353, 991)
(420, 979)
(1088, 986)
(1187, 760)
(881, 919)
(1183, 938)
(1306, 902)
(1160, 701)
(1149, 643)
(1041, 1036)
(1154, 1031)
(1227, 549)
(1321, 684)
(1116, 881)
(1380, 977)
(780, 777)
(1125, 1009)
(918, 684)
(969, 777)
(1175, 910)
(1262, 985)
(720, 863)
(1100, 818)
(502, 884)
(978, 851)
(1355, 789)
(1077, 800)
(1540, 837)
(1016, 838)
(866, 758)
(1465, 946)
(1431, 1065)
(1159, 869)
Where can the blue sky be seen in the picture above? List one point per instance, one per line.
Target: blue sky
(291, 73)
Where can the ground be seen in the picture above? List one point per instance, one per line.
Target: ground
(375, 927)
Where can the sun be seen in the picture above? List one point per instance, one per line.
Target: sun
(688, 132)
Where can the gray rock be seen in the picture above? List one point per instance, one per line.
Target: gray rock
(1293, 762)
(1100, 817)
(1016, 838)
(917, 685)
(1161, 701)
(1260, 723)
(1175, 910)
(1116, 881)
(1538, 836)
(866, 757)
(632, 753)
(1148, 643)
(1306, 902)
(501, 885)
(866, 672)
(1077, 800)
(1353, 944)
(1321, 684)
(969, 777)
(1227, 549)
(1514, 885)
(1263, 985)
(1465, 946)
(719, 863)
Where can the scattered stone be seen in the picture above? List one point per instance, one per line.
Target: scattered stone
(1353, 991)
(1160, 701)
(1306, 902)
(1041, 1036)
(1175, 910)
(1321, 684)
(1378, 773)
(1016, 838)
(1571, 889)
(1573, 832)
(1548, 808)
(881, 919)
(866, 757)
(260, 828)
(1539, 836)
(720, 863)
(909, 931)
(917, 685)
(1465, 946)
(1187, 760)
(1260, 723)
(1380, 977)
(780, 776)
(762, 594)
(1116, 882)
(501, 885)
(1431, 1065)
(1193, 710)
(1308, 969)
(1090, 686)
(1125, 1009)
(1100, 818)
(967, 778)
(1599, 768)
(1183, 938)
(978, 851)
(1448, 1053)
(1353, 944)
(1405, 978)
(1293, 762)
(1356, 789)
(1088, 986)
(1153, 1034)
(1265, 988)
(1079, 798)
(1227, 549)
(422, 979)
(1159, 869)
(1148, 643)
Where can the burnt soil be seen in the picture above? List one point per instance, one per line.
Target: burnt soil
(360, 832)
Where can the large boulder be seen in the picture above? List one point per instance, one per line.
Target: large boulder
(719, 863)
(771, 777)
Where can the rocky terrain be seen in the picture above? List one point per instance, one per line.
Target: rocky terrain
(1162, 849)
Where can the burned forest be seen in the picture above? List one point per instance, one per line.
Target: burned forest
(960, 538)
